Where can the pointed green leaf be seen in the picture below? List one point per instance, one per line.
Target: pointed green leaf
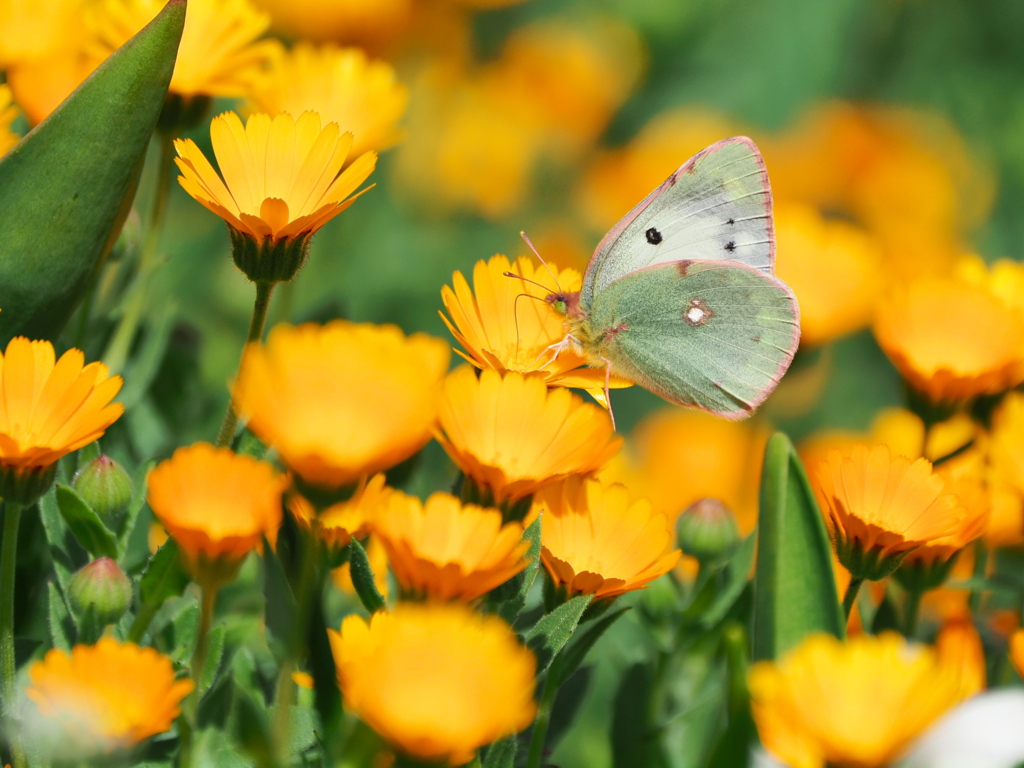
(85, 524)
(362, 578)
(501, 754)
(794, 587)
(67, 186)
(552, 632)
(60, 618)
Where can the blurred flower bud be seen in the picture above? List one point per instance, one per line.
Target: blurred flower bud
(708, 531)
(104, 587)
(105, 486)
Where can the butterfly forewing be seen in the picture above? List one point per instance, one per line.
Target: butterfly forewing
(712, 334)
(717, 206)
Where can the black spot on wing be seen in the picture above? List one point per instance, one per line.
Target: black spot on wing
(730, 246)
(653, 236)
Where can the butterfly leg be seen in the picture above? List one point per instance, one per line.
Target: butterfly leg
(558, 348)
(607, 388)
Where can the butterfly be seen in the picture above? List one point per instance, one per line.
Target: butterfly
(681, 296)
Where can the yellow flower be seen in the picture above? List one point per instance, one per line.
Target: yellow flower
(437, 681)
(283, 180)
(8, 114)
(217, 505)
(833, 267)
(511, 434)
(340, 522)
(219, 53)
(31, 33)
(595, 541)
(505, 324)
(40, 85)
(50, 407)
(879, 507)
(1017, 651)
(369, 23)
(977, 507)
(343, 85)
(448, 550)
(951, 340)
(959, 647)
(107, 696)
(859, 703)
(1004, 278)
(676, 456)
(344, 400)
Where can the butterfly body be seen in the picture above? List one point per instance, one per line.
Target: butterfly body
(680, 297)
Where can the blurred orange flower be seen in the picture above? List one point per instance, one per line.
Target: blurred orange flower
(32, 34)
(373, 24)
(217, 505)
(959, 647)
(482, 428)
(342, 401)
(106, 696)
(1017, 651)
(448, 550)
(363, 96)
(857, 703)
(339, 523)
(950, 340)
(415, 675)
(8, 114)
(594, 540)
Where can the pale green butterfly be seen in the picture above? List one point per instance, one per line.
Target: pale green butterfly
(681, 296)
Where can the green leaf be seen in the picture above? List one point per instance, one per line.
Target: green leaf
(501, 754)
(66, 188)
(509, 609)
(252, 728)
(552, 632)
(214, 656)
(59, 617)
(736, 574)
(164, 577)
(577, 652)
(85, 524)
(135, 506)
(794, 587)
(632, 733)
(57, 536)
(146, 362)
(362, 578)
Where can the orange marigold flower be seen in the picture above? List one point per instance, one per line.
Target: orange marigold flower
(32, 34)
(340, 522)
(217, 505)
(369, 23)
(106, 696)
(959, 646)
(594, 541)
(448, 550)
(219, 53)
(879, 507)
(950, 340)
(859, 703)
(50, 407)
(482, 420)
(343, 85)
(283, 180)
(343, 400)
(499, 331)
(436, 680)
(1017, 651)
(8, 114)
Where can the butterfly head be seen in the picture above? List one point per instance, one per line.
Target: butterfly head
(565, 303)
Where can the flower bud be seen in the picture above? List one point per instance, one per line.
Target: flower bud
(105, 486)
(104, 587)
(707, 530)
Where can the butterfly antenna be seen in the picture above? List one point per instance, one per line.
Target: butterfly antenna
(541, 259)
(515, 304)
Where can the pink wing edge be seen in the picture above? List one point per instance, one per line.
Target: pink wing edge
(637, 209)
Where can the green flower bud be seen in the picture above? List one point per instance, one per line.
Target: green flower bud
(708, 531)
(106, 487)
(104, 587)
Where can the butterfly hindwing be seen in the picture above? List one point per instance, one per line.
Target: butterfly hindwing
(712, 334)
(717, 206)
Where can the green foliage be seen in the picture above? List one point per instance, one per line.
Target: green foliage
(362, 578)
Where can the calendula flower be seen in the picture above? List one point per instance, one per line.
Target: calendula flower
(448, 550)
(373, 24)
(1017, 651)
(596, 541)
(343, 85)
(219, 55)
(833, 267)
(506, 324)
(283, 180)
(436, 680)
(856, 703)
(8, 114)
(339, 523)
(482, 422)
(217, 505)
(959, 647)
(879, 507)
(1007, 441)
(50, 407)
(1004, 278)
(344, 400)
(107, 696)
(31, 33)
(951, 341)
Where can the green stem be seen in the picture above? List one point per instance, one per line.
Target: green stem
(259, 319)
(8, 670)
(540, 726)
(980, 566)
(191, 708)
(911, 609)
(851, 596)
(116, 354)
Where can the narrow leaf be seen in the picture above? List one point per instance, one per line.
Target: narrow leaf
(362, 578)
(164, 577)
(85, 524)
(501, 754)
(552, 632)
(66, 188)
(794, 587)
(736, 574)
(58, 537)
(60, 618)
